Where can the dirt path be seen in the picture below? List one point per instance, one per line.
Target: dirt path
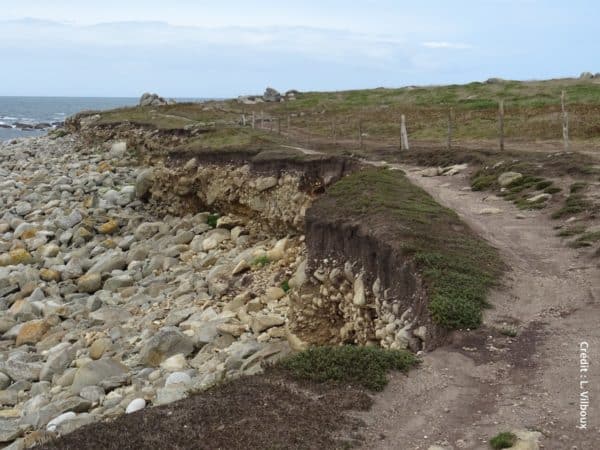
(486, 382)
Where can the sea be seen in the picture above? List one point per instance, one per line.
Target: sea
(19, 116)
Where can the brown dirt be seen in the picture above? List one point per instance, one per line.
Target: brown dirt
(259, 412)
(486, 382)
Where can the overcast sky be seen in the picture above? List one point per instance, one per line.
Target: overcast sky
(185, 48)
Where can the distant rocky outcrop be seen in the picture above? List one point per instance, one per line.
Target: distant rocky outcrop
(270, 95)
(148, 99)
(587, 76)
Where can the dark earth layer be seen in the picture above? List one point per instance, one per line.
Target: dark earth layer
(264, 411)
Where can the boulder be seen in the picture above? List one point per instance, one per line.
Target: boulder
(148, 99)
(166, 342)
(95, 372)
(271, 95)
(143, 183)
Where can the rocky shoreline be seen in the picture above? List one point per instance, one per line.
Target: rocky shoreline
(108, 303)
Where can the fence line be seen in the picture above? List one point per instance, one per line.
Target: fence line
(340, 130)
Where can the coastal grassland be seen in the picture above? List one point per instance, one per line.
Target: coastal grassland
(167, 117)
(224, 139)
(457, 266)
(533, 112)
(366, 366)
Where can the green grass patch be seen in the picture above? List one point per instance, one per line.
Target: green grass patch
(285, 286)
(482, 182)
(571, 231)
(552, 190)
(367, 366)
(58, 133)
(261, 261)
(458, 267)
(577, 187)
(212, 220)
(503, 440)
(574, 204)
(543, 185)
(587, 239)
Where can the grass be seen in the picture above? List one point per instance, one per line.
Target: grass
(571, 231)
(285, 286)
(574, 204)
(503, 440)
(577, 186)
(212, 220)
(366, 366)
(458, 267)
(261, 261)
(586, 239)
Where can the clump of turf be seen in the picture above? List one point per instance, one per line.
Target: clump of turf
(367, 366)
(261, 261)
(457, 266)
(212, 220)
(503, 440)
(574, 204)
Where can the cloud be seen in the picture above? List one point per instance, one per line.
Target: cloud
(446, 45)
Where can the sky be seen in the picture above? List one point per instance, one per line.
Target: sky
(185, 48)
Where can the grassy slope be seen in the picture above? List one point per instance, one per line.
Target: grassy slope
(457, 266)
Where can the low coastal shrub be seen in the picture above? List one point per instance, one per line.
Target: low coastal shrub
(212, 220)
(261, 261)
(367, 366)
(503, 440)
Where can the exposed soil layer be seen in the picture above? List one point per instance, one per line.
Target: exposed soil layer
(267, 411)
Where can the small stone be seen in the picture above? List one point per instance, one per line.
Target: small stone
(508, 178)
(166, 342)
(359, 298)
(32, 332)
(15, 257)
(49, 275)
(135, 405)
(99, 347)
(108, 227)
(490, 211)
(274, 293)
(89, 283)
(60, 419)
(96, 371)
(262, 322)
(178, 378)
(174, 363)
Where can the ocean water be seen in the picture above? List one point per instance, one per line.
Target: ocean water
(48, 110)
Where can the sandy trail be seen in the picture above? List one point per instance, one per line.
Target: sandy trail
(486, 382)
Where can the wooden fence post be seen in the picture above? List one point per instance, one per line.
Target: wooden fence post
(450, 120)
(262, 119)
(403, 134)
(334, 131)
(501, 123)
(253, 120)
(243, 120)
(360, 133)
(278, 125)
(565, 120)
